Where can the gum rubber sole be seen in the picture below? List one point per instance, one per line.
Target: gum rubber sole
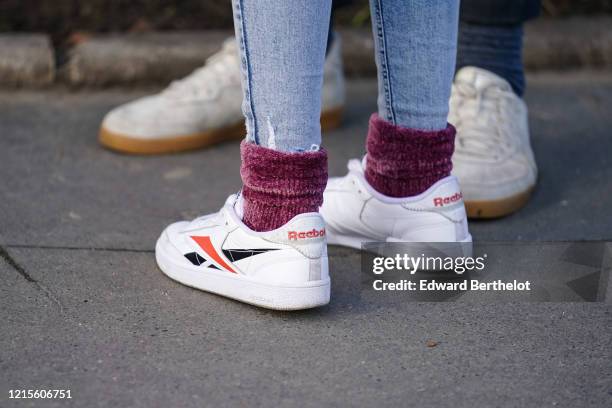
(497, 208)
(330, 119)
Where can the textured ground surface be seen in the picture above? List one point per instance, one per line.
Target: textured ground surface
(84, 307)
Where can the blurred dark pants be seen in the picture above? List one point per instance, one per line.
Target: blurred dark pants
(498, 12)
(491, 37)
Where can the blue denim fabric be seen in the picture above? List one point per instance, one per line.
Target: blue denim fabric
(282, 45)
(416, 45)
(496, 48)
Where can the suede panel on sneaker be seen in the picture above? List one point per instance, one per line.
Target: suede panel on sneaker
(280, 185)
(403, 162)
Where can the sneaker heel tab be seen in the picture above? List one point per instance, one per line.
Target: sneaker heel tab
(306, 233)
(444, 195)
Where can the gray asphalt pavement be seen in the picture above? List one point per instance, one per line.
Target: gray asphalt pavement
(84, 307)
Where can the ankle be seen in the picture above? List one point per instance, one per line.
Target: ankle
(403, 162)
(496, 48)
(280, 185)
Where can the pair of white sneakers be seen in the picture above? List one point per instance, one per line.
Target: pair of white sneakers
(287, 268)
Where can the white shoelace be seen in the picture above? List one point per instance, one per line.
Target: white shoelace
(479, 113)
(221, 69)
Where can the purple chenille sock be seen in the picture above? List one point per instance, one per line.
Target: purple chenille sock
(280, 185)
(403, 162)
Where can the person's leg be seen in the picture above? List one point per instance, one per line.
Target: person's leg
(267, 245)
(402, 190)
(491, 37)
(282, 46)
(410, 143)
(493, 159)
(494, 48)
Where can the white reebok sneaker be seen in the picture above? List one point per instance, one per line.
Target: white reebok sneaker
(493, 158)
(204, 108)
(354, 212)
(284, 269)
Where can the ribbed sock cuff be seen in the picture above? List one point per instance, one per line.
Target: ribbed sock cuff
(403, 162)
(277, 185)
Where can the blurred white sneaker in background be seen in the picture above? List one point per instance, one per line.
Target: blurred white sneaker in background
(493, 158)
(204, 108)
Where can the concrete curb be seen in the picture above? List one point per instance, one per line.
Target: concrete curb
(139, 58)
(159, 57)
(577, 42)
(26, 60)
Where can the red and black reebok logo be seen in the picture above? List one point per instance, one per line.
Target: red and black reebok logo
(230, 255)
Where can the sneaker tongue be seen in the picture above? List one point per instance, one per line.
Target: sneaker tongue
(229, 46)
(357, 165)
(239, 206)
(480, 78)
